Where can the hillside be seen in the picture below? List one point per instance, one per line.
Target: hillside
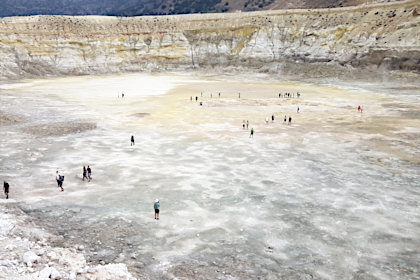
(377, 38)
(159, 7)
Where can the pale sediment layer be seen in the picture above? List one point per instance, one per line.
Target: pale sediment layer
(360, 42)
(333, 195)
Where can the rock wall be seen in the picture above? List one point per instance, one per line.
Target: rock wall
(313, 42)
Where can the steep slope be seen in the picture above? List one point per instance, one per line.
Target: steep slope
(320, 43)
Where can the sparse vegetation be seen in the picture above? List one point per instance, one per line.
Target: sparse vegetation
(154, 7)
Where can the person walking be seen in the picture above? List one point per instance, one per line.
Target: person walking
(89, 173)
(6, 189)
(297, 109)
(285, 119)
(243, 124)
(290, 120)
(84, 173)
(247, 124)
(219, 94)
(60, 180)
(272, 118)
(252, 133)
(196, 98)
(132, 140)
(266, 120)
(239, 95)
(156, 206)
(57, 178)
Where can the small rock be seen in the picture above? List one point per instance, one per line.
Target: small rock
(133, 256)
(30, 257)
(80, 247)
(40, 252)
(102, 262)
(55, 274)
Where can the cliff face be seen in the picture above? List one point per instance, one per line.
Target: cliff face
(384, 37)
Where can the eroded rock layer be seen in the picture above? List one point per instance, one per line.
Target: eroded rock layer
(325, 41)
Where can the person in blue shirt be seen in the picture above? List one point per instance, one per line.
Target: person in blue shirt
(156, 207)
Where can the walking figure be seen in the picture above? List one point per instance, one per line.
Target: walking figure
(6, 189)
(247, 124)
(132, 140)
(219, 94)
(285, 119)
(290, 120)
(266, 120)
(272, 118)
(239, 95)
(84, 174)
(252, 133)
(156, 206)
(243, 124)
(297, 109)
(60, 180)
(89, 173)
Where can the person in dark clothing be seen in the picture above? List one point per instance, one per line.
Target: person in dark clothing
(290, 120)
(272, 118)
(84, 173)
(132, 140)
(6, 189)
(60, 180)
(89, 173)
(285, 119)
(196, 98)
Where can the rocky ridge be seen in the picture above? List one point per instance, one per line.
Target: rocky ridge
(25, 253)
(324, 42)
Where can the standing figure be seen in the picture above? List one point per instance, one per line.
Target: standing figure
(239, 95)
(247, 124)
(297, 109)
(266, 120)
(219, 94)
(6, 189)
(89, 173)
(196, 98)
(252, 133)
(84, 173)
(243, 124)
(285, 119)
(60, 180)
(290, 120)
(156, 206)
(272, 118)
(132, 140)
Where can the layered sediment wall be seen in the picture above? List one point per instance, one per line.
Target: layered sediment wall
(325, 41)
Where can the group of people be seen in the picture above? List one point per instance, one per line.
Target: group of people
(289, 95)
(87, 174)
(87, 171)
